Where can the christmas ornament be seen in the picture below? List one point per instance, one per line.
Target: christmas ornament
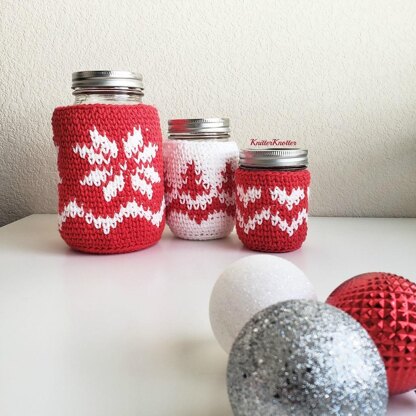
(303, 357)
(110, 164)
(272, 199)
(250, 285)
(199, 164)
(385, 305)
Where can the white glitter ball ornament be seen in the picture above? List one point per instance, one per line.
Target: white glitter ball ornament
(249, 285)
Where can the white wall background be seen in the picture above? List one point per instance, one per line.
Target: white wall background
(337, 76)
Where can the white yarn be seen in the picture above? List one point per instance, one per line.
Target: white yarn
(265, 215)
(150, 173)
(143, 179)
(217, 225)
(96, 177)
(200, 201)
(134, 148)
(131, 209)
(113, 187)
(102, 150)
(133, 143)
(250, 195)
(107, 149)
(289, 200)
(209, 158)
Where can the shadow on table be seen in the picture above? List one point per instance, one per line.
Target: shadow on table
(203, 359)
(206, 363)
(40, 236)
(403, 403)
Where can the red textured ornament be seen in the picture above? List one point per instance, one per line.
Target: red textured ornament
(385, 305)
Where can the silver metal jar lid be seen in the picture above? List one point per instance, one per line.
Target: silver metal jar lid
(273, 158)
(190, 128)
(107, 79)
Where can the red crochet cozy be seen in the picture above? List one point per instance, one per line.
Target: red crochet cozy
(272, 208)
(111, 170)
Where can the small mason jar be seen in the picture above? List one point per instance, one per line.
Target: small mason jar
(110, 164)
(272, 187)
(200, 162)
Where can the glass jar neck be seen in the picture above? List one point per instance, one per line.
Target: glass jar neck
(107, 96)
(261, 168)
(200, 137)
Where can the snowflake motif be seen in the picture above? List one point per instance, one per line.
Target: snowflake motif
(110, 171)
(104, 151)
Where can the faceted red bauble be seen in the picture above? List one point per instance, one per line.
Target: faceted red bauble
(385, 305)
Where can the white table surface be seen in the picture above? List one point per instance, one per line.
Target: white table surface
(85, 335)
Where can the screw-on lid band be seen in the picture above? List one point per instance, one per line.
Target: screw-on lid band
(199, 127)
(274, 158)
(107, 79)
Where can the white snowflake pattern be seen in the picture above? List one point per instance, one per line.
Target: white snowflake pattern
(111, 175)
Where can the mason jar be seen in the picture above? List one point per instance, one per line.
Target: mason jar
(272, 187)
(110, 164)
(107, 87)
(200, 161)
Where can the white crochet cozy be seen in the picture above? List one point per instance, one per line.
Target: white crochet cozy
(199, 187)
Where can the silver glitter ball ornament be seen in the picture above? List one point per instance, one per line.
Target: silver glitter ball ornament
(303, 357)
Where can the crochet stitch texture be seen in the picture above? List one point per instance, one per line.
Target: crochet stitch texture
(110, 165)
(272, 209)
(199, 188)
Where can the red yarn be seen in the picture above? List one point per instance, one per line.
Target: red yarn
(111, 170)
(194, 187)
(272, 224)
(385, 305)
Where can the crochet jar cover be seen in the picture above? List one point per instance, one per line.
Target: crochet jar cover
(272, 209)
(199, 188)
(110, 165)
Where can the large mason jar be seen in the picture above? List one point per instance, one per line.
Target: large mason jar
(110, 165)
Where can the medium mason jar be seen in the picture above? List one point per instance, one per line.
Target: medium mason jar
(200, 161)
(110, 165)
(272, 188)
